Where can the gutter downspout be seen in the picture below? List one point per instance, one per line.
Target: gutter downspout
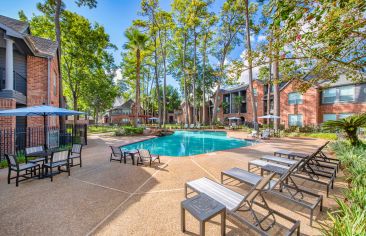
(48, 85)
(48, 79)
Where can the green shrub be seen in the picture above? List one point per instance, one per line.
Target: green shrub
(128, 130)
(350, 217)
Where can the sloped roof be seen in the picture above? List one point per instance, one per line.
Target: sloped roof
(14, 24)
(126, 105)
(234, 89)
(39, 46)
(43, 46)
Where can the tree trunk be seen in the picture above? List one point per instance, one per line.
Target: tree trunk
(58, 39)
(75, 105)
(250, 64)
(269, 91)
(137, 104)
(157, 82)
(276, 91)
(214, 112)
(204, 82)
(194, 78)
(187, 121)
(164, 91)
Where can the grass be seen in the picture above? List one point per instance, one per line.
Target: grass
(327, 136)
(350, 217)
(101, 129)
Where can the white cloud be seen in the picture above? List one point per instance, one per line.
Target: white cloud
(261, 38)
(118, 75)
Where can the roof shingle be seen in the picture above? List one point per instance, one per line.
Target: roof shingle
(14, 24)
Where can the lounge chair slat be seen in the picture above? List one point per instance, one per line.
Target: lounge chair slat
(218, 192)
(278, 160)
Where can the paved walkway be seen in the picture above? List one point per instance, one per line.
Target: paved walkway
(104, 198)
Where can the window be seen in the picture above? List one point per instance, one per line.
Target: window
(344, 115)
(295, 120)
(327, 117)
(346, 94)
(255, 92)
(54, 84)
(294, 98)
(329, 95)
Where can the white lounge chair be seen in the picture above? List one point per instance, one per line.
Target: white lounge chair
(236, 203)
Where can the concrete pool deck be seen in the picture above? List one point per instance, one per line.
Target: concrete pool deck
(104, 198)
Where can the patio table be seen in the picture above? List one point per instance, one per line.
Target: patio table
(132, 153)
(203, 208)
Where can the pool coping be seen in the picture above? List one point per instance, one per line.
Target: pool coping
(253, 141)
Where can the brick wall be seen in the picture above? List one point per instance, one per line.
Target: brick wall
(5, 104)
(339, 108)
(309, 109)
(7, 125)
(37, 87)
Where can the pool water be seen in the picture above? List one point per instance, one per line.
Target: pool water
(186, 143)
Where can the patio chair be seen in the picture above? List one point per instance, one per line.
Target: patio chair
(58, 160)
(198, 126)
(75, 154)
(236, 203)
(254, 134)
(117, 154)
(304, 171)
(30, 152)
(186, 126)
(295, 194)
(13, 165)
(192, 126)
(146, 155)
(265, 134)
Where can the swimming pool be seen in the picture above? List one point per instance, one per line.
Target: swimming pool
(186, 143)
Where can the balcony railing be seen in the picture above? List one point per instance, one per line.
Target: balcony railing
(20, 82)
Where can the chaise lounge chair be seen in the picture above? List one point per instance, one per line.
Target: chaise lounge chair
(236, 203)
(320, 158)
(304, 171)
(295, 194)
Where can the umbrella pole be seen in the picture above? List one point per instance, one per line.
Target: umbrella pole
(45, 131)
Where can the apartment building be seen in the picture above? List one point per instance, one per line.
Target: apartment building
(29, 72)
(325, 101)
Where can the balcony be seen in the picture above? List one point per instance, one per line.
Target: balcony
(20, 87)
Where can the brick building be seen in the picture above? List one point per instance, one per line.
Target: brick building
(325, 101)
(123, 113)
(29, 73)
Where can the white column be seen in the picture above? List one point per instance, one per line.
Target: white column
(9, 76)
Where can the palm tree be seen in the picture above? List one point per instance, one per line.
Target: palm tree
(349, 125)
(137, 44)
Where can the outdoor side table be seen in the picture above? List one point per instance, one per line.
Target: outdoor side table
(203, 208)
(132, 153)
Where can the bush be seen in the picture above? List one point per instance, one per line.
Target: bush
(350, 218)
(128, 130)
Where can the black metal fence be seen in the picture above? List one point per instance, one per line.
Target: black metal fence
(16, 140)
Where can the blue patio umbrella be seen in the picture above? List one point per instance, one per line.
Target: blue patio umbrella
(42, 110)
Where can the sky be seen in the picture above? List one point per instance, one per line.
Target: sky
(115, 15)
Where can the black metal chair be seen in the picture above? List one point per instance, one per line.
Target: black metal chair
(58, 159)
(35, 153)
(146, 155)
(13, 165)
(117, 154)
(75, 154)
